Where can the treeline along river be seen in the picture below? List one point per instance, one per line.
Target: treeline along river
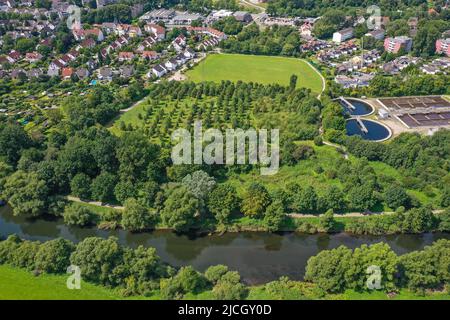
(258, 256)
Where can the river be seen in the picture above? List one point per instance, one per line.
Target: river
(259, 257)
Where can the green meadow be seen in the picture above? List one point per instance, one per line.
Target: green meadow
(262, 69)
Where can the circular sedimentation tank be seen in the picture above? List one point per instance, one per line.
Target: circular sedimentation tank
(361, 108)
(375, 130)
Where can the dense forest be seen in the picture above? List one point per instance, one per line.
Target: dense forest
(304, 8)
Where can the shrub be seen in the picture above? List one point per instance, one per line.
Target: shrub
(76, 214)
(54, 256)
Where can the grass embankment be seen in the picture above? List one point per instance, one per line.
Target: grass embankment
(18, 284)
(261, 69)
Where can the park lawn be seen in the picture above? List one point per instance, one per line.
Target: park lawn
(21, 284)
(261, 69)
(131, 116)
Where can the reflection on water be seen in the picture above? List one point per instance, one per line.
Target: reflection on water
(360, 108)
(259, 257)
(375, 131)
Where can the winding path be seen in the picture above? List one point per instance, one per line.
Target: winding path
(324, 83)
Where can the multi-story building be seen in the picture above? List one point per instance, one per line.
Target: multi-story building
(443, 46)
(343, 35)
(394, 45)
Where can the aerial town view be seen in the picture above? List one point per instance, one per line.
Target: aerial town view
(224, 150)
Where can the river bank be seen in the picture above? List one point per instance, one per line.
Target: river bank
(258, 256)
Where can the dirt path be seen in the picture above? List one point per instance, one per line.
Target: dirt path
(344, 152)
(94, 203)
(350, 214)
(324, 83)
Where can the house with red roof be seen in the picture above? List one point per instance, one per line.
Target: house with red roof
(33, 57)
(95, 33)
(149, 55)
(156, 30)
(67, 73)
(126, 56)
(15, 55)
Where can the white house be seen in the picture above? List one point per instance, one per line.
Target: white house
(171, 64)
(158, 71)
(189, 53)
(343, 35)
(54, 68)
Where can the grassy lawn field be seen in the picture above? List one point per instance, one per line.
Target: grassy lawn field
(21, 284)
(262, 69)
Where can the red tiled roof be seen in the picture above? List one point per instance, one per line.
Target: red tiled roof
(66, 72)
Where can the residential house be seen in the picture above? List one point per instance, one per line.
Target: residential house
(306, 30)
(315, 45)
(81, 34)
(179, 43)
(54, 68)
(149, 55)
(18, 73)
(430, 69)
(343, 35)
(126, 71)
(208, 43)
(189, 53)
(33, 57)
(126, 56)
(171, 64)
(105, 73)
(376, 34)
(158, 31)
(14, 56)
(88, 43)
(243, 16)
(67, 73)
(109, 27)
(397, 65)
(128, 30)
(34, 73)
(181, 59)
(158, 71)
(82, 73)
(208, 31)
